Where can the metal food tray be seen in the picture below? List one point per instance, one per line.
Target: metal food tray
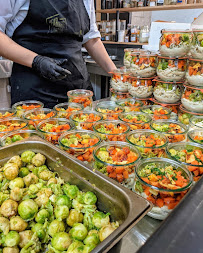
(124, 205)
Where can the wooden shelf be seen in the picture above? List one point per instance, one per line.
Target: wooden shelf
(125, 43)
(154, 8)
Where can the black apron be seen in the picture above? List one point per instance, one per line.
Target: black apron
(53, 28)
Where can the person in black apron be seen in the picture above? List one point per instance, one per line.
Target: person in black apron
(54, 30)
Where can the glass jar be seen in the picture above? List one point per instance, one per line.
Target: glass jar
(143, 64)
(130, 104)
(156, 112)
(196, 122)
(111, 131)
(9, 125)
(192, 98)
(194, 74)
(118, 95)
(21, 107)
(167, 92)
(133, 3)
(175, 43)
(109, 110)
(145, 101)
(118, 162)
(136, 120)
(120, 80)
(184, 115)
(197, 44)
(6, 113)
(127, 56)
(141, 87)
(152, 182)
(196, 136)
(144, 34)
(173, 130)
(83, 97)
(64, 110)
(149, 143)
(171, 69)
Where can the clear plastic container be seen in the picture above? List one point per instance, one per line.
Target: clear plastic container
(145, 101)
(6, 113)
(141, 87)
(64, 110)
(83, 97)
(120, 80)
(167, 92)
(127, 56)
(109, 110)
(130, 104)
(118, 95)
(173, 130)
(194, 74)
(175, 43)
(156, 111)
(9, 125)
(143, 64)
(117, 160)
(148, 142)
(184, 115)
(192, 98)
(196, 122)
(171, 68)
(136, 120)
(34, 117)
(80, 144)
(196, 136)
(111, 131)
(189, 154)
(21, 107)
(197, 44)
(16, 136)
(52, 129)
(85, 120)
(154, 182)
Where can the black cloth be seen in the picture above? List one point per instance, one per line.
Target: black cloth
(54, 29)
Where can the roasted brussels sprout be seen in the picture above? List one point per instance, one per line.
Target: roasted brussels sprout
(17, 160)
(61, 241)
(3, 197)
(56, 226)
(92, 239)
(63, 200)
(100, 219)
(61, 212)
(105, 232)
(41, 216)
(30, 179)
(87, 220)
(27, 209)
(12, 239)
(4, 225)
(33, 189)
(11, 171)
(78, 232)
(16, 194)
(88, 248)
(30, 167)
(25, 237)
(10, 250)
(39, 230)
(74, 217)
(71, 190)
(43, 196)
(17, 182)
(18, 224)
(76, 247)
(90, 198)
(38, 160)
(23, 172)
(27, 156)
(9, 208)
(46, 175)
(52, 181)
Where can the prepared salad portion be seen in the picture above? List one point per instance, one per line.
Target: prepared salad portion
(112, 131)
(141, 87)
(136, 120)
(11, 124)
(196, 122)
(197, 44)
(34, 117)
(194, 74)
(143, 64)
(175, 43)
(148, 142)
(185, 115)
(64, 110)
(52, 129)
(167, 92)
(120, 80)
(163, 182)
(85, 120)
(157, 112)
(6, 113)
(18, 135)
(196, 136)
(127, 56)
(40, 212)
(118, 95)
(82, 97)
(21, 107)
(190, 154)
(173, 130)
(80, 144)
(130, 104)
(171, 68)
(192, 99)
(173, 107)
(117, 160)
(109, 110)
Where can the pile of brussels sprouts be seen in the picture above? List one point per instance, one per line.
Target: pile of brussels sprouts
(40, 212)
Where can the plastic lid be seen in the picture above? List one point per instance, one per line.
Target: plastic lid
(187, 85)
(172, 31)
(161, 81)
(172, 58)
(192, 59)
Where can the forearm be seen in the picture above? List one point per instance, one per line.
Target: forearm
(98, 52)
(14, 52)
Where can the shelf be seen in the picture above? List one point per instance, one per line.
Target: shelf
(125, 43)
(154, 8)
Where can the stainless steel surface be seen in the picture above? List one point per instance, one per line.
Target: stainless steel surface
(124, 205)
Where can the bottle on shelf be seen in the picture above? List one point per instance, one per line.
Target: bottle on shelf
(129, 32)
(103, 4)
(159, 2)
(109, 4)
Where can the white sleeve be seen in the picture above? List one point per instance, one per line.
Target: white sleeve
(6, 13)
(93, 33)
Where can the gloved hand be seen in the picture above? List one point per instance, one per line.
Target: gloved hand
(50, 68)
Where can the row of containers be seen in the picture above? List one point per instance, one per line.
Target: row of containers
(139, 146)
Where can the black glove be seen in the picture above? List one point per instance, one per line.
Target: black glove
(50, 68)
